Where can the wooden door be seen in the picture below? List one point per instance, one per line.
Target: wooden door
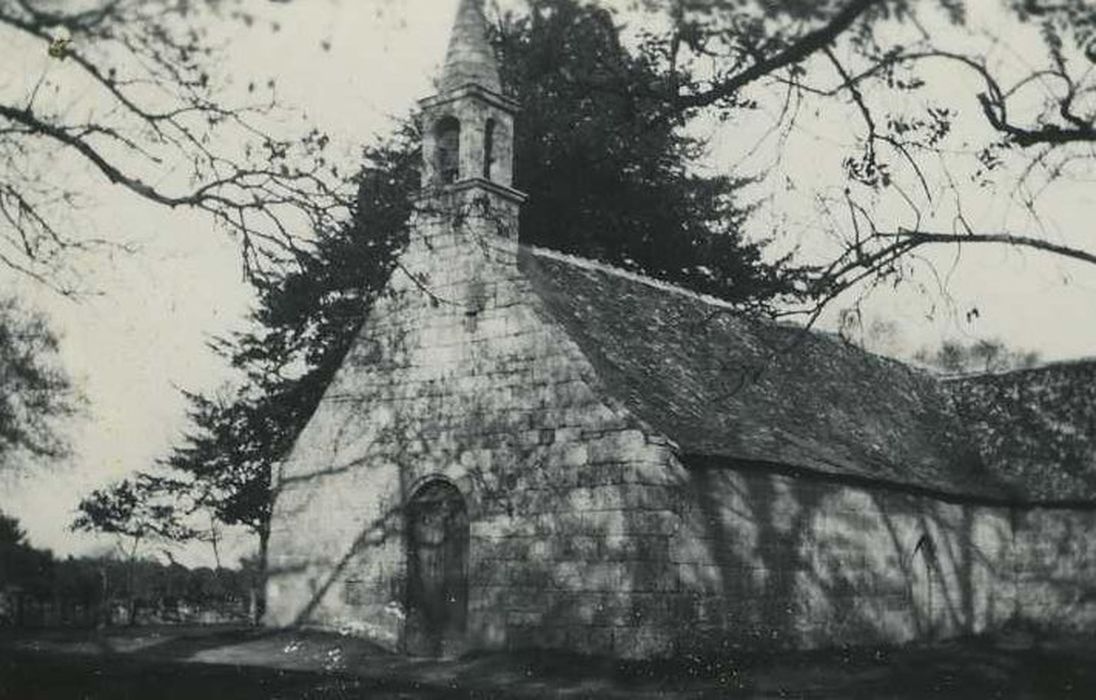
(437, 551)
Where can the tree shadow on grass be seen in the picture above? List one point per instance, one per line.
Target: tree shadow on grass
(25, 677)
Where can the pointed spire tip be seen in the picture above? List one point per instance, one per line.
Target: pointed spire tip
(470, 58)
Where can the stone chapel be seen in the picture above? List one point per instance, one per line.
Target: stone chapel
(528, 449)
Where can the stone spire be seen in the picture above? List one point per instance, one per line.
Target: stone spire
(468, 127)
(470, 58)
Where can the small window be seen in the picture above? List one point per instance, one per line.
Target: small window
(489, 149)
(447, 153)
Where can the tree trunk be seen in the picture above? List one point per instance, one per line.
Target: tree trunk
(102, 605)
(213, 542)
(131, 575)
(258, 583)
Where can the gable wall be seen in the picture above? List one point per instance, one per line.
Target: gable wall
(571, 503)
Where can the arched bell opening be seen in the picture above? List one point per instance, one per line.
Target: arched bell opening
(447, 150)
(437, 569)
(490, 134)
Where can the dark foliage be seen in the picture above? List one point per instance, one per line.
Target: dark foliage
(20, 564)
(34, 392)
(303, 327)
(986, 355)
(132, 509)
(11, 534)
(37, 588)
(608, 177)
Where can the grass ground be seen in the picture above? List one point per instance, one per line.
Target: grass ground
(241, 663)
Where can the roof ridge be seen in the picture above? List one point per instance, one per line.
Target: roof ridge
(1049, 364)
(661, 285)
(598, 266)
(749, 389)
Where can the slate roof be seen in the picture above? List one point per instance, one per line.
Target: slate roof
(724, 386)
(1037, 427)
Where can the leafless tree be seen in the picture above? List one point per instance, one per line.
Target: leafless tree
(1028, 124)
(155, 123)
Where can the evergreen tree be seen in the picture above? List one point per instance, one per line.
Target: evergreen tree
(608, 173)
(302, 328)
(34, 391)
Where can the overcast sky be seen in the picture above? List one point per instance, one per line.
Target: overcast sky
(142, 335)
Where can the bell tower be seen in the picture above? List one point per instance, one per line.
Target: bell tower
(468, 127)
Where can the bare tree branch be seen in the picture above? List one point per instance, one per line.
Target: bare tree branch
(149, 61)
(807, 45)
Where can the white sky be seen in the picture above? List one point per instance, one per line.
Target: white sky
(143, 335)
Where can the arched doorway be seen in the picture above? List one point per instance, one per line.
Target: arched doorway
(437, 570)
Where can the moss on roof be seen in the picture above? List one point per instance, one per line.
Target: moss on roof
(1037, 427)
(722, 384)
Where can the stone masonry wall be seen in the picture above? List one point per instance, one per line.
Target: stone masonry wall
(1054, 568)
(771, 560)
(587, 533)
(457, 374)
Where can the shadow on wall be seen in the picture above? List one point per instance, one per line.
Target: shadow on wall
(561, 552)
(314, 575)
(586, 534)
(562, 541)
(637, 559)
(617, 559)
(778, 561)
(538, 570)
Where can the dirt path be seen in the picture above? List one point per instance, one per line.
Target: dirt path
(245, 663)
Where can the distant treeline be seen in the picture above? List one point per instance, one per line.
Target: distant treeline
(38, 589)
